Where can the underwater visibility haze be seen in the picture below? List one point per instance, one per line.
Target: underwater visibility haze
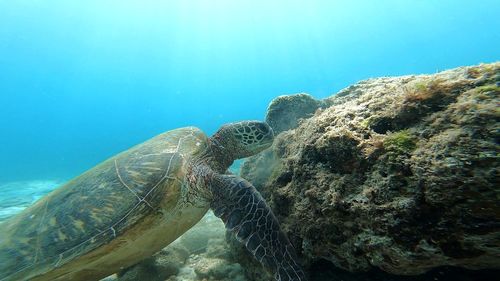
(81, 81)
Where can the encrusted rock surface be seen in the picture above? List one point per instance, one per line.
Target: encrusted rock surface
(397, 174)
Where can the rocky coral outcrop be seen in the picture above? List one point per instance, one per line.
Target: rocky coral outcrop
(285, 112)
(399, 174)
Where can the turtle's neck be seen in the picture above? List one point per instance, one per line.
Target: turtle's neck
(220, 155)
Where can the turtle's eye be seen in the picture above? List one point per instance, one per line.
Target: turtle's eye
(263, 128)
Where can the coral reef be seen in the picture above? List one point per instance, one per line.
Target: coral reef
(395, 174)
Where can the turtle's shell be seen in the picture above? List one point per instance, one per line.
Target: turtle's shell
(110, 217)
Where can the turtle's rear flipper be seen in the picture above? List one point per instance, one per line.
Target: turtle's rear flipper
(247, 215)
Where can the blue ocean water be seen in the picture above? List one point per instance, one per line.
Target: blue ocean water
(83, 80)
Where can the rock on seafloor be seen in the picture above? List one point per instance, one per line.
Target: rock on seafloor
(397, 174)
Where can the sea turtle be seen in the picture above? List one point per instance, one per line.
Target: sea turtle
(137, 202)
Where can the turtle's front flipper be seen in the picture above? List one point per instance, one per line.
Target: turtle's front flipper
(246, 214)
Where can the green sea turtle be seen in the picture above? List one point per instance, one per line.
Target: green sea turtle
(137, 202)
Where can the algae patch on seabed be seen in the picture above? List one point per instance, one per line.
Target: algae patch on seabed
(401, 142)
(489, 88)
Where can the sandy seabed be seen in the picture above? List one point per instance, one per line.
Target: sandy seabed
(16, 196)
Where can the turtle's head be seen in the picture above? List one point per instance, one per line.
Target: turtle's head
(243, 139)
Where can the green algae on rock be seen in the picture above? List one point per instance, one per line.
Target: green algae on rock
(399, 174)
